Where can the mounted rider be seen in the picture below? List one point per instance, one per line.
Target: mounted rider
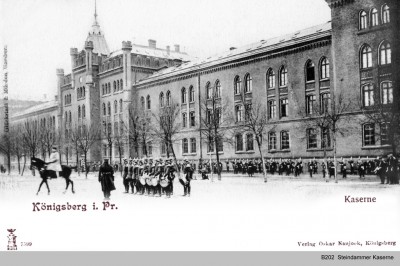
(54, 161)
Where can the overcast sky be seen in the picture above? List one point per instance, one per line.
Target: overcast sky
(39, 33)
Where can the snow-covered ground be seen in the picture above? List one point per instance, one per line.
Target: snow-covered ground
(236, 213)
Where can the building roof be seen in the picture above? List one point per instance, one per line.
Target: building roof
(36, 109)
(96, 35)
(245, 51)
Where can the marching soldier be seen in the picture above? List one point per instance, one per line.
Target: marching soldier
(188, 172)
(106, 179)
(170, 175)
(125, 175)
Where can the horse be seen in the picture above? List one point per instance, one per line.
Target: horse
(45, 174)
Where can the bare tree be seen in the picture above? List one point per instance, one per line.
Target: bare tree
(215, 124)
(120, 140)
(87, 137)
(17, 145)
(31, 136)
(74, 138)
(138, 130)
(6, 148)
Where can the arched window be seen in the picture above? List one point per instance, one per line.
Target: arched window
(185, 146)
(249, 142)
(208, 90)
(387, 92)
(239, 142)
(109, 108)
(363, 20)
(84, 91)
(191, 94)
(183, 95)
(270, 79)
(325, 68)
(217, 89)
(285, 142)
(142, 104)
(325, 102)
(310, 71)
(271, 141)
(104, 109)
(312, 138)
(369, 134)
(70, 117)
(192, 119)
(79, 112)
(271, 109)
(385, 14)
(109, 88)
(115, 107)
(83, 111)
(283, 76)
(102, 90)
(121, 83)
(148, 102)
(193, 145)
(248, 83)
(366, 57)
(161, 99)
(78, 93)
(184, 120)
(385, 54)
(368, 95)
(239, 113)
(118, 85)
(168, 98)
(66, 117)
(237, 85)
(120, 106)
(116, 128)
(374, 17)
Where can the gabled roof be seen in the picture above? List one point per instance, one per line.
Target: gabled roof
(252, 49)
(36, 109)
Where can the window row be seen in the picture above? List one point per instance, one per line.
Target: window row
(117, 108)
(81, 92)
(186, 146)
(384, 55)
(244, 142)
(67, 99)
(145, 104)
(312, 138)
(51, 123)
(323, 107)
(68, 117)
(167, 98)
(374, 18)
(117, 86)
(81, 112)
(119, 129)
(192, 119)
(184, 95)
(283, 108)
(370, 97)
(284, 141)
(370, 135)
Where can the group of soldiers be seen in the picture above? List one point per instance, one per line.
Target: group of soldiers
(147, 177)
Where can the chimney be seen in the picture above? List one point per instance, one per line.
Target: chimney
(152, 43)
(168, 49)
(177, 48)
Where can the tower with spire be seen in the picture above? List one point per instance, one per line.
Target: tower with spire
(96, 36)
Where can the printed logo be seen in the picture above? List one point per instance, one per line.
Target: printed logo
(12, 240)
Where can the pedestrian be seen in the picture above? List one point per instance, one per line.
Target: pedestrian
(106, 179)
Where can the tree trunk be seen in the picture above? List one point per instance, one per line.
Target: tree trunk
(334, 156)
(120, 161)
(23, 168)
(77, 160)
(19, 164)
(262, 161)
(85, 166)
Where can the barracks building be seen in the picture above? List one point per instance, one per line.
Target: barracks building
(354, 55)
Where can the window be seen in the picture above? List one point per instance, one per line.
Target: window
(104, 109)
(161, 99)
(366, 57)
(184, 120)
(385, 14)
(325, 100)
(193, 145)
(191, 94)
(115, 107)
(109, 88)
(325, 138)
(272, 141)
(368, 95)
(384, 133)
(387, 92)
(374, 17)
(363, 20)
(168, 98)
(284, 107)
(248, 83)
(283, 76)
(310, 71)
(217, 89)
(142, 104)
(311, 138)
(192, 119)
(102, 90)
(249, 142)
(239, 113)
(163, 148)
(385, 54)
(310, 102)
(185, 146)
(324, 68)
(209, 116)
(79, 112)
(108, 108)
(118, 88)
(272, 109)
(210, 145)
(121, 84)
(285, 144)
(115, 86)
(183, 95)
(121, 127)
(120, 106)
(239, 142)
(270, 79)
(248, 112)
(150, 148)
(237, 85)
(109, 130)
(148, 102)
(116, 128)
(369, 135)
(208, 90)
(83, 111)
(70, 117)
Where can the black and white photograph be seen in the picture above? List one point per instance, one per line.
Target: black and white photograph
(212, 125)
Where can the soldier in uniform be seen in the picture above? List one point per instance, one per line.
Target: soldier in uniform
(129, 178)
(170, 175)
(125, 175)
(188, 172)
(106, 179)
(310, 168)
(392, 170)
